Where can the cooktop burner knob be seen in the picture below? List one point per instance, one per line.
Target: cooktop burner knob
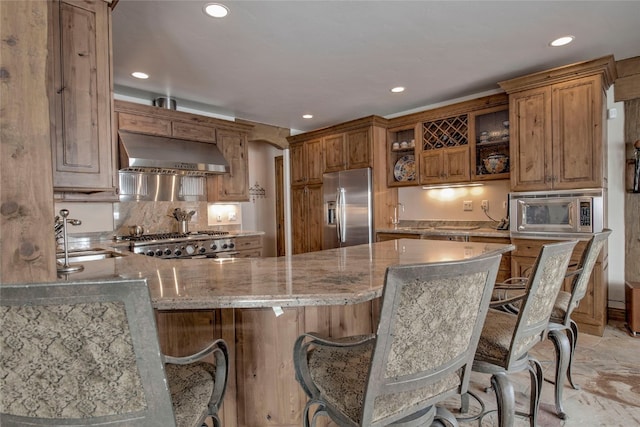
(167, 251)
(202, 250)
(159, 252)
(225, 246)
(178, 252)
(151, 253)
(214, 246)
(232, 245)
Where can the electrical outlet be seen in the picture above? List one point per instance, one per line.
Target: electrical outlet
(484, 205)
(467, 205)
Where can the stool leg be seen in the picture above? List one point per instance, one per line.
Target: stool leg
(563, 352)
(535, 371)
(573, 340)
(505, 397)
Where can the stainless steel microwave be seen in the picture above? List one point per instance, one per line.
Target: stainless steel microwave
(571, 212)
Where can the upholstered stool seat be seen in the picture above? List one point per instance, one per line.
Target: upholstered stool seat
(560, 307)
(191, 387)
(496, 337)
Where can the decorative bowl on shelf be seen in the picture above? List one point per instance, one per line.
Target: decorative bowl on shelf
(496, 163)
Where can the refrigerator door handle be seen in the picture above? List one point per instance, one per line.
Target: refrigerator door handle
(341, 215)
(338, 215)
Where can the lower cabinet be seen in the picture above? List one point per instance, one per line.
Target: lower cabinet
(249, 246)
(591, 313)
(306, 218)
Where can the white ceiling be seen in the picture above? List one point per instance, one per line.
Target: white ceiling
(272, 61)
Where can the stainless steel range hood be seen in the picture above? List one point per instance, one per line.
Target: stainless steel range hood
(149, 153)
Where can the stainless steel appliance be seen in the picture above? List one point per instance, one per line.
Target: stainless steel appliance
(567, 213)
(201, 244)
(348, 218)
(142, 152)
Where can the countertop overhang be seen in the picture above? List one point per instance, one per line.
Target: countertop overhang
(331, 277)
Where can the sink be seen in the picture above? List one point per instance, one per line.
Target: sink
(88, 255)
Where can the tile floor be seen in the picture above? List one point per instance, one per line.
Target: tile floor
(606, 368)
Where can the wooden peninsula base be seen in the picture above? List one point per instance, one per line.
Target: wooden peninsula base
(262, 390)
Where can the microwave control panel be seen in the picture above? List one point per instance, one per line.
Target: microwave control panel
(585, 214)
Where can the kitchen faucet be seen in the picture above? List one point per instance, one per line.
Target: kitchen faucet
(395, 220)
(60, 229)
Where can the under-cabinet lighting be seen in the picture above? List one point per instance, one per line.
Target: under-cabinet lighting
(440, 186)
(140, 75)
(216, 10)
(561, 41)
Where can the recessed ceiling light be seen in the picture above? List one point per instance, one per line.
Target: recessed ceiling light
(216, 10)
(140, 75)
(307, 116)
(561, 41)
(397, 89)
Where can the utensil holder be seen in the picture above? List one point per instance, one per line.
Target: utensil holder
(183, 226)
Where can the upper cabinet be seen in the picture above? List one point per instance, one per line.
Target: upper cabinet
(401, 157)
(458, 143)
(230, 137)
(444, 156)
(558, 126)
(232, 186)
(80, 97)
(306, 162)
(489, 141)
(347, 150)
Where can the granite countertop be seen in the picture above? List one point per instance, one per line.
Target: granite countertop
(332, 277)
(448, 230)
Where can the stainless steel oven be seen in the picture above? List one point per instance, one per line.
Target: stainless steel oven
(201, 244)
(562, 213)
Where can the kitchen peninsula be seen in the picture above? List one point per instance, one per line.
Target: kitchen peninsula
(261, 305)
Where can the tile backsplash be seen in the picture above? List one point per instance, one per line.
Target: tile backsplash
(157, 217)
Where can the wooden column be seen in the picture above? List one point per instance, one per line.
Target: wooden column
(26, 191)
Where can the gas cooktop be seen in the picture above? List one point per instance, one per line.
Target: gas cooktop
(196, 235)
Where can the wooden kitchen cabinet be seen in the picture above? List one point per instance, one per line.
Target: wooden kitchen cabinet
(306, 218)
(230, 137)
(558, 126)
(306, 162)
(489, 135)
(144, 124)
(444, 165)
(80, 96)
(232, 186)
(348, 150)
(591, 313)
(335, 158)
(350, 145)
(249, 246)
(446, 150)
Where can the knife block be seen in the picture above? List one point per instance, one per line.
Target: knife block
(632, 305)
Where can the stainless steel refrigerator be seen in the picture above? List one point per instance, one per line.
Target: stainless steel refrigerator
(348, 215)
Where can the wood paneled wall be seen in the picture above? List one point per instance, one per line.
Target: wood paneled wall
(632, 200)
(26, 184)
